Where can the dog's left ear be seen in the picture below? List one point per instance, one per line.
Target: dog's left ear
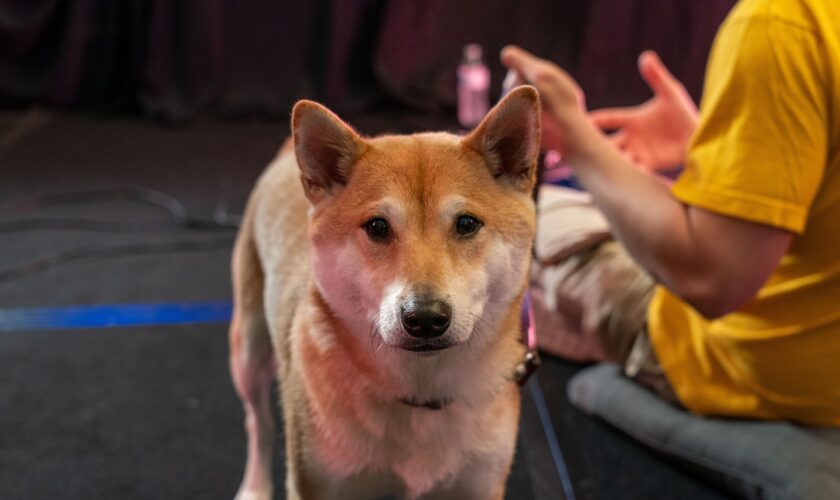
(325, 147)
(509, 138)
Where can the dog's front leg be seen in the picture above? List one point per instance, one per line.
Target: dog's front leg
(485, 477)
(253, 370)
(480, 482)
(253, 374)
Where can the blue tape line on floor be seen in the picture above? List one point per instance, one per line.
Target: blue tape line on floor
(115, 315)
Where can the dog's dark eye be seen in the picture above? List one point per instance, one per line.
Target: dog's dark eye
(467, 225)
(377, 229)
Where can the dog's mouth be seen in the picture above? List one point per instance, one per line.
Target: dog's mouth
(426, 347)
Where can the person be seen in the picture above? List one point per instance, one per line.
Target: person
(738, 262)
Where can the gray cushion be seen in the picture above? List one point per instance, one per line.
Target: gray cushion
(755, 459)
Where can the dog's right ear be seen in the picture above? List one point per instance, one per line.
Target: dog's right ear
(509, 138)
(325, 147)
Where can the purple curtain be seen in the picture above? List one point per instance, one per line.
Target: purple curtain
(177, 58)
(617, 32)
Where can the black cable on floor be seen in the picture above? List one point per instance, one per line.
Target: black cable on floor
(48, 261)
(222, 221)
(76, 224)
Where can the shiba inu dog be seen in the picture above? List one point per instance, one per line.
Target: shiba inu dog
(381, 281)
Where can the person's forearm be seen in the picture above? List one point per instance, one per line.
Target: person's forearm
(654, 226)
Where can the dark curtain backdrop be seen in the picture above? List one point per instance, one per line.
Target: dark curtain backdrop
(177, 58)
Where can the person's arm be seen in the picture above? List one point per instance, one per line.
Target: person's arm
(713, 262)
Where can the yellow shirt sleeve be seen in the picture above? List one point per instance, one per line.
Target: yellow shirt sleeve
(760, 149)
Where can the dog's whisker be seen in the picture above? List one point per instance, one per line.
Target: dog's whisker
(505, 302)
(480, 324)
(375, 341)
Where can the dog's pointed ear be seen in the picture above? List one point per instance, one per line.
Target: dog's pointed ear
(325, 147)
(509, 138)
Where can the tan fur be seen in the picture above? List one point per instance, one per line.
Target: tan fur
(316, 304)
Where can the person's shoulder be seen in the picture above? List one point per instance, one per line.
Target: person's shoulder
(796, 14)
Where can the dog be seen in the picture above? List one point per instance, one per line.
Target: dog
(380, 280)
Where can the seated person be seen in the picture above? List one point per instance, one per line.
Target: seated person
(730, 298)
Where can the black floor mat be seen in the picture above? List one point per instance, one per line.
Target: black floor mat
(142, 413)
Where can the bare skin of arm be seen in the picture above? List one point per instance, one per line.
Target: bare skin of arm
(713, 262)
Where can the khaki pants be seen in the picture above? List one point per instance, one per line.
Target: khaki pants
(595, 290)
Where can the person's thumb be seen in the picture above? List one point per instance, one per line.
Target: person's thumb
(554, 84)
(522, 61)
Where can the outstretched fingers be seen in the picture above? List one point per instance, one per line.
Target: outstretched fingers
(612, 118)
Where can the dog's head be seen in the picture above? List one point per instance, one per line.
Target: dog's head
(421, 241)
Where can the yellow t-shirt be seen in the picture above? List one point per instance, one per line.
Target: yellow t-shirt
(767, 149)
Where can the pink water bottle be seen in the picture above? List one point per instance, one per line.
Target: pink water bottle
(473, 87)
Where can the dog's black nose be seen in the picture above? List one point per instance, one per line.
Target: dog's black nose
(426, 318)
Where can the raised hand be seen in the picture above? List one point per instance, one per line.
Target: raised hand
(655, 134)
(562, 98)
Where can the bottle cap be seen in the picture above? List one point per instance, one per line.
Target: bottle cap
(472, 53)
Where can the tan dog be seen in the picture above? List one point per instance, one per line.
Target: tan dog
(386, 294)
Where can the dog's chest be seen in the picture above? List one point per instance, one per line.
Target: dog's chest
(422, 447)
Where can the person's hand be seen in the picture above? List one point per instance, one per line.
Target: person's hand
(655, 134)
(562, 98)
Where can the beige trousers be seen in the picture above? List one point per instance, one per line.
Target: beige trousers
(587, 285)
